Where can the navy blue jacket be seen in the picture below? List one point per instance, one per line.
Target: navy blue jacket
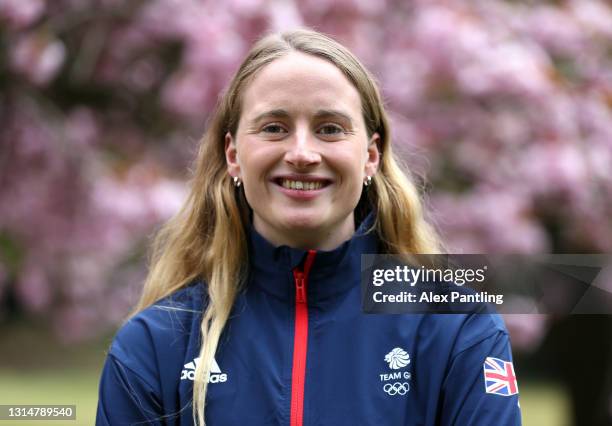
(298, 350)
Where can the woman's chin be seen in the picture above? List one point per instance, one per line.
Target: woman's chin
(303, 223)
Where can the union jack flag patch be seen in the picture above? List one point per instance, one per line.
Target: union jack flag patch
(499, 377)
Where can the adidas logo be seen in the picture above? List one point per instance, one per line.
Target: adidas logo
(215, 376)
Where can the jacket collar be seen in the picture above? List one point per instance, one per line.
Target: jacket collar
(332, 273)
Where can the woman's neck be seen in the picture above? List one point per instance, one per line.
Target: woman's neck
(307, 238)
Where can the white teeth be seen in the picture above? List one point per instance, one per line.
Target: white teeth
(304, 186)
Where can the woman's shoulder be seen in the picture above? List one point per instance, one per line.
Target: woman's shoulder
(157, 331)
(461, 332)
(169, 312)
(477, 327)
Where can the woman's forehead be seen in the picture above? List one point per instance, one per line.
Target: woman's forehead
(299, 82)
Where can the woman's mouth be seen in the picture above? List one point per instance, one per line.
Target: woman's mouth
(302, 188)
(298, 184)
(309, 184)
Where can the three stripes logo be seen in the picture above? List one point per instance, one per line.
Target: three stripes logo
(215, 376)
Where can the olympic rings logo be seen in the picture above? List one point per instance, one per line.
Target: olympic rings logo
(397, 388)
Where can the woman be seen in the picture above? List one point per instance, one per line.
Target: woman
(251, 313)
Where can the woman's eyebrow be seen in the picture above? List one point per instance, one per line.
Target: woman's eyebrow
(322, 113)
(274, 113)
(328, 113)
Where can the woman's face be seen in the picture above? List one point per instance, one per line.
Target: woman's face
(302, 152)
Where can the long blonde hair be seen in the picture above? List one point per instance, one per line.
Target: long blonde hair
(206, 239)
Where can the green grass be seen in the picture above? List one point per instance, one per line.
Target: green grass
(544, 404)
(37, 369)
(65, 387)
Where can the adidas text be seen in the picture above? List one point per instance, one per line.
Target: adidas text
(215, 376)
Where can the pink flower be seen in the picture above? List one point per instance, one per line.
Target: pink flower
(166, 198)
(594, 16)
(405, 76)
(506, 67)
(554, 168)
(188, 93)
(555, 29)
(489, 221)
(284, 15)
(38, 57)
(21, 13)
(82, 129)
(33, 289)
(246, 7)
(526, 330)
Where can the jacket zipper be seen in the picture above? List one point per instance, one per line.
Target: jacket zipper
(300, 341)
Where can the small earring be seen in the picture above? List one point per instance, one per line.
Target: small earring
(367, 181)
(237, 181)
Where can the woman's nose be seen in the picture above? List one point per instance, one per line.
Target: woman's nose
(302, 149)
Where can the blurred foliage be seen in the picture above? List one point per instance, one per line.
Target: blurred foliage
(505, 107)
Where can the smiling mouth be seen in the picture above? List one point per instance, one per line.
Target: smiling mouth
(301, 185)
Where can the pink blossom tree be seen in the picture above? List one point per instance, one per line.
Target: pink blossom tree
(502, 110)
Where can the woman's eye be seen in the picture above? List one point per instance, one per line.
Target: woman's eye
(273, 128)
(331, 129)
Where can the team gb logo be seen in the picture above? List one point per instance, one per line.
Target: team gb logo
(397, 358)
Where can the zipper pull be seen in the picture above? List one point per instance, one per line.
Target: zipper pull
(300, 290)
(300, 277)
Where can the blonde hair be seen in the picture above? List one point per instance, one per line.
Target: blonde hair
(206, 240)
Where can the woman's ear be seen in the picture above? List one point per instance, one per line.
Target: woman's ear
(231, 156)
(371, 166)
